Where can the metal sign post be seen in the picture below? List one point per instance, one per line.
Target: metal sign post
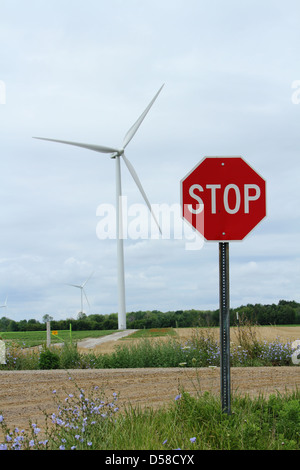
(48, 335)
(224, 199)
(224, 326)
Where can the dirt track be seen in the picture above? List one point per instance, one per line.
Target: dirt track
(24, 394)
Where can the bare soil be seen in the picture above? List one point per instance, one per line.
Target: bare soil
(24, 395)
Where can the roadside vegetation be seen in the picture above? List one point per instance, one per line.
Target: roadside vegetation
(87, 420)
(202, 350)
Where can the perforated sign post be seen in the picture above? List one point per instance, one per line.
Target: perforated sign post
(223, 198)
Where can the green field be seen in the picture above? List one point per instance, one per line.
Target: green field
(29, 339)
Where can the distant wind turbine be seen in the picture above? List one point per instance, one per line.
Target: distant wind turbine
(81, 287)
(116, 154)
(5, 304)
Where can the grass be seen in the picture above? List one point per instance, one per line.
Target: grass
(87, 420)
(202, 350)
(153, 333)
(28, 339)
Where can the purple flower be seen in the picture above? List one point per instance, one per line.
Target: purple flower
(192, 439)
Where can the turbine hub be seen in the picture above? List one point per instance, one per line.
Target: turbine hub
(119, 153)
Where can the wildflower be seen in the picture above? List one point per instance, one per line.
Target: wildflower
(165, 441)
(31, 443)
(3, 447)
(192, 439)
(177, 397)
(1, 418)
(89, 444)
(62, 448)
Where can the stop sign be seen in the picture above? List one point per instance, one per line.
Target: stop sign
(223, 198)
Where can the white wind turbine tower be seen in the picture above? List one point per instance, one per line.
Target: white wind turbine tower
(81, 287)
(117, 154)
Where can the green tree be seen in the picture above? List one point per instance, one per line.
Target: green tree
(47, 318)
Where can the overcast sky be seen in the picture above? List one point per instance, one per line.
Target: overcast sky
(84, 71)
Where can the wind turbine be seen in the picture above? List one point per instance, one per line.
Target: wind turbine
(117, 154)
(81, 287)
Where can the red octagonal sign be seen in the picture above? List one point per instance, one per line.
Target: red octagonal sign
(223, 198)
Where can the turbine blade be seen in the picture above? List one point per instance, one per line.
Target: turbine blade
(132, 131)
(87, 279)
(86, 298)
(139, 185)
(73, 285)
(96, 148)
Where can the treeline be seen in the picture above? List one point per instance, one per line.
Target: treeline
(284, 313)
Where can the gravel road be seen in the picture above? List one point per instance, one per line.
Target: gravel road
(91, 343)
